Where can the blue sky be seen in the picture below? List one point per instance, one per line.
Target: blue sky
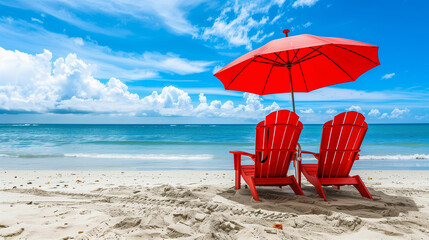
(153, 62)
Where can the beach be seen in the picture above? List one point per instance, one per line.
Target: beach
(204, 205)
(177, 182)
(128, 119)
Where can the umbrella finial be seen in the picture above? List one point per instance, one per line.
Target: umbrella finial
(286, 31)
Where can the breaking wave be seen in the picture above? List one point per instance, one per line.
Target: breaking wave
(143, 156)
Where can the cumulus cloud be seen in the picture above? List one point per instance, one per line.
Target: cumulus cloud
(374, 113)
(354, 108)
(388, 75)
(36, 83)
(237, 20)
(384, 115)
(304, 3)
(306, 111)
(395, 114)
(253, 108)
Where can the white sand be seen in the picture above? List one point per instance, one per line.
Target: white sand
(204, 205)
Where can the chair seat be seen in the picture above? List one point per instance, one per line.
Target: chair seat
(248, 170)
(311, 169)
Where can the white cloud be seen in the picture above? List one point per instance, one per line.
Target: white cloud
(35, 83)
(276, 18)
(374, 113)
(171, 101)
(384, 115)
(172, 63)
(421, 117)
(300, 26)
(212, 91)
(331, 112)
(253, 108)
(289, 20)
(78, 41)
(108, 63)
(196, 90)
(170, 13)
(202, 98)
(307, 111)
(217, 68)
(237, 20)
(340, 94)
(395, 114)
(354, 108)
(343, 94)
(388, 75)
(307, 24)
(36, 20)
(304, 3)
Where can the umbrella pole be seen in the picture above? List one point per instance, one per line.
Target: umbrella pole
(291, 87)
(297, 159)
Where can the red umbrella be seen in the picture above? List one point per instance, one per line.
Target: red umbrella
(300, 63)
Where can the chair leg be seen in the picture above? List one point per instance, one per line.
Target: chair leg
(316, 183)
(237, 179)
(319, 188)
(252, 188)
(299, 172)
(295, 187)
(237, 168)
(361, 188)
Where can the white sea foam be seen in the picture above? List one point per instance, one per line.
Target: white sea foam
(395, 157)
(193, 156)
(143, 156)
(388, 157)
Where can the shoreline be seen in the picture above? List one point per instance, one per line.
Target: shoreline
(204, 205)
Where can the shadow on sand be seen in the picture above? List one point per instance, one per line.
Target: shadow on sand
(347, 200)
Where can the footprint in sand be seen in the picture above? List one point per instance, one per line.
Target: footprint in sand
(13, 231)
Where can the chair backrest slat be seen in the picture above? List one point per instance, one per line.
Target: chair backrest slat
(276, 141)
(340, 144)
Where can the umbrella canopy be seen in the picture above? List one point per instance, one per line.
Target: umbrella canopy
(299, 63)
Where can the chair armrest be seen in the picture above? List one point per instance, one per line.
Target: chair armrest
(316, 155)
(237, 158)
(252, 156)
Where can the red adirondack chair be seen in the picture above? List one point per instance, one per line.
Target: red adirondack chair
(339, 148)
(275, 147)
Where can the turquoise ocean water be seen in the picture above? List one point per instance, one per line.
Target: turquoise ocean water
(197, 147)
